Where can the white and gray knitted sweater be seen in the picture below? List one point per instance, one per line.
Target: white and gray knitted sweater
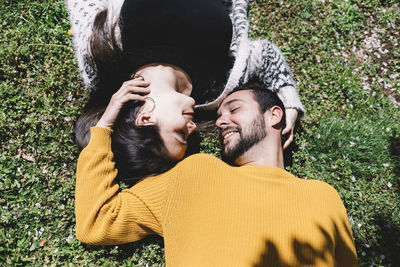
(258, 59)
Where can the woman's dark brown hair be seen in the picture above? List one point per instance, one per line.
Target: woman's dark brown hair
(139, 152)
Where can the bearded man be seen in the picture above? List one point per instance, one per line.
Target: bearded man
(214, 214)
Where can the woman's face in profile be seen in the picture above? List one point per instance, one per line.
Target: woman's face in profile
(173, 109)
(174, 116)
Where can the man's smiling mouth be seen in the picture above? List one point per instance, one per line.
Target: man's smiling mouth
(229, 132)
(227, 135)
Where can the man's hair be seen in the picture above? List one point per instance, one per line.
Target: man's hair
(265, 98)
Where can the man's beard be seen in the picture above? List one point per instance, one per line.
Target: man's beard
(254, 133)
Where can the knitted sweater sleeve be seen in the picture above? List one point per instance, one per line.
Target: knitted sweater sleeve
(103, 214)
(267, 64)
(238, 13)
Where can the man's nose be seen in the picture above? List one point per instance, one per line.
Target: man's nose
(221, 121)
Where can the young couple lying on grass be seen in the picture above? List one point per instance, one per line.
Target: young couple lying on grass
(208, 212)
(211, 213)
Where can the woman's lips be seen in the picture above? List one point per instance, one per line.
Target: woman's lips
(189, 114)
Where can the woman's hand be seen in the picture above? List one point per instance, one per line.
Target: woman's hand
(291, 116)
(128, 91)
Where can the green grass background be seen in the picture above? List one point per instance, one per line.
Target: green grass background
(345, 58)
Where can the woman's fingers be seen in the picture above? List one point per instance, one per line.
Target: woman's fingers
(130, 94)
(114, 107)
(130, 90)
(286, 130)
(289, 132)
(291, 116)
(130, 97)
(136, 82)
(289, 127)
(133, 86)
(288, 141)
(137, 90)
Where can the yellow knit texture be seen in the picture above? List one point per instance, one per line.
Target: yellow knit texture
(212, 214)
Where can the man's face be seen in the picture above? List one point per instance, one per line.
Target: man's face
(241, 124)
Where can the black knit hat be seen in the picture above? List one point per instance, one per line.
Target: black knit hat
(192, 34)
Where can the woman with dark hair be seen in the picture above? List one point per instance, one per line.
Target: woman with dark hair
(174, 46)
(152, 122)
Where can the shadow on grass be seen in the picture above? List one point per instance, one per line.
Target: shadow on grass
(126, 250)
(394, 143)
(389, 235)
(333, 247)
(150, 249)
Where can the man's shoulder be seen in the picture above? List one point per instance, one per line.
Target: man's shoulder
(201, 163)
(201, 157)
(320, 188)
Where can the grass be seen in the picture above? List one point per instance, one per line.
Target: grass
(345, 58)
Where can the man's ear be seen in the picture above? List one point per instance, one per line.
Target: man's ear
(274, 116)
(144, 119)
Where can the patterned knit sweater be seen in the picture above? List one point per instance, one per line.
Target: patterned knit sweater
(213, 214)
(258, 59)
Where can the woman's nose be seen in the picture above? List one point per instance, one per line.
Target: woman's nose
(191, 101)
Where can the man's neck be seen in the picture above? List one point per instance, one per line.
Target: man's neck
(265, 153)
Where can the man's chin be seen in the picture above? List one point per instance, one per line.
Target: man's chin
(231, 143)
(227, 151)
(229, 156)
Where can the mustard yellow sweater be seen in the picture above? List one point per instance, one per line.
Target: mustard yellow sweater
(212, 214)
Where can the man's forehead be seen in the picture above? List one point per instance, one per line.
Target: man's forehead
(243, 95)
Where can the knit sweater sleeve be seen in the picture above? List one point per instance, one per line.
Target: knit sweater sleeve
(103, 214)
(238, 13)
(267, 64)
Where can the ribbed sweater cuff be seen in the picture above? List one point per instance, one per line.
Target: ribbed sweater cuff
(100, 138)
